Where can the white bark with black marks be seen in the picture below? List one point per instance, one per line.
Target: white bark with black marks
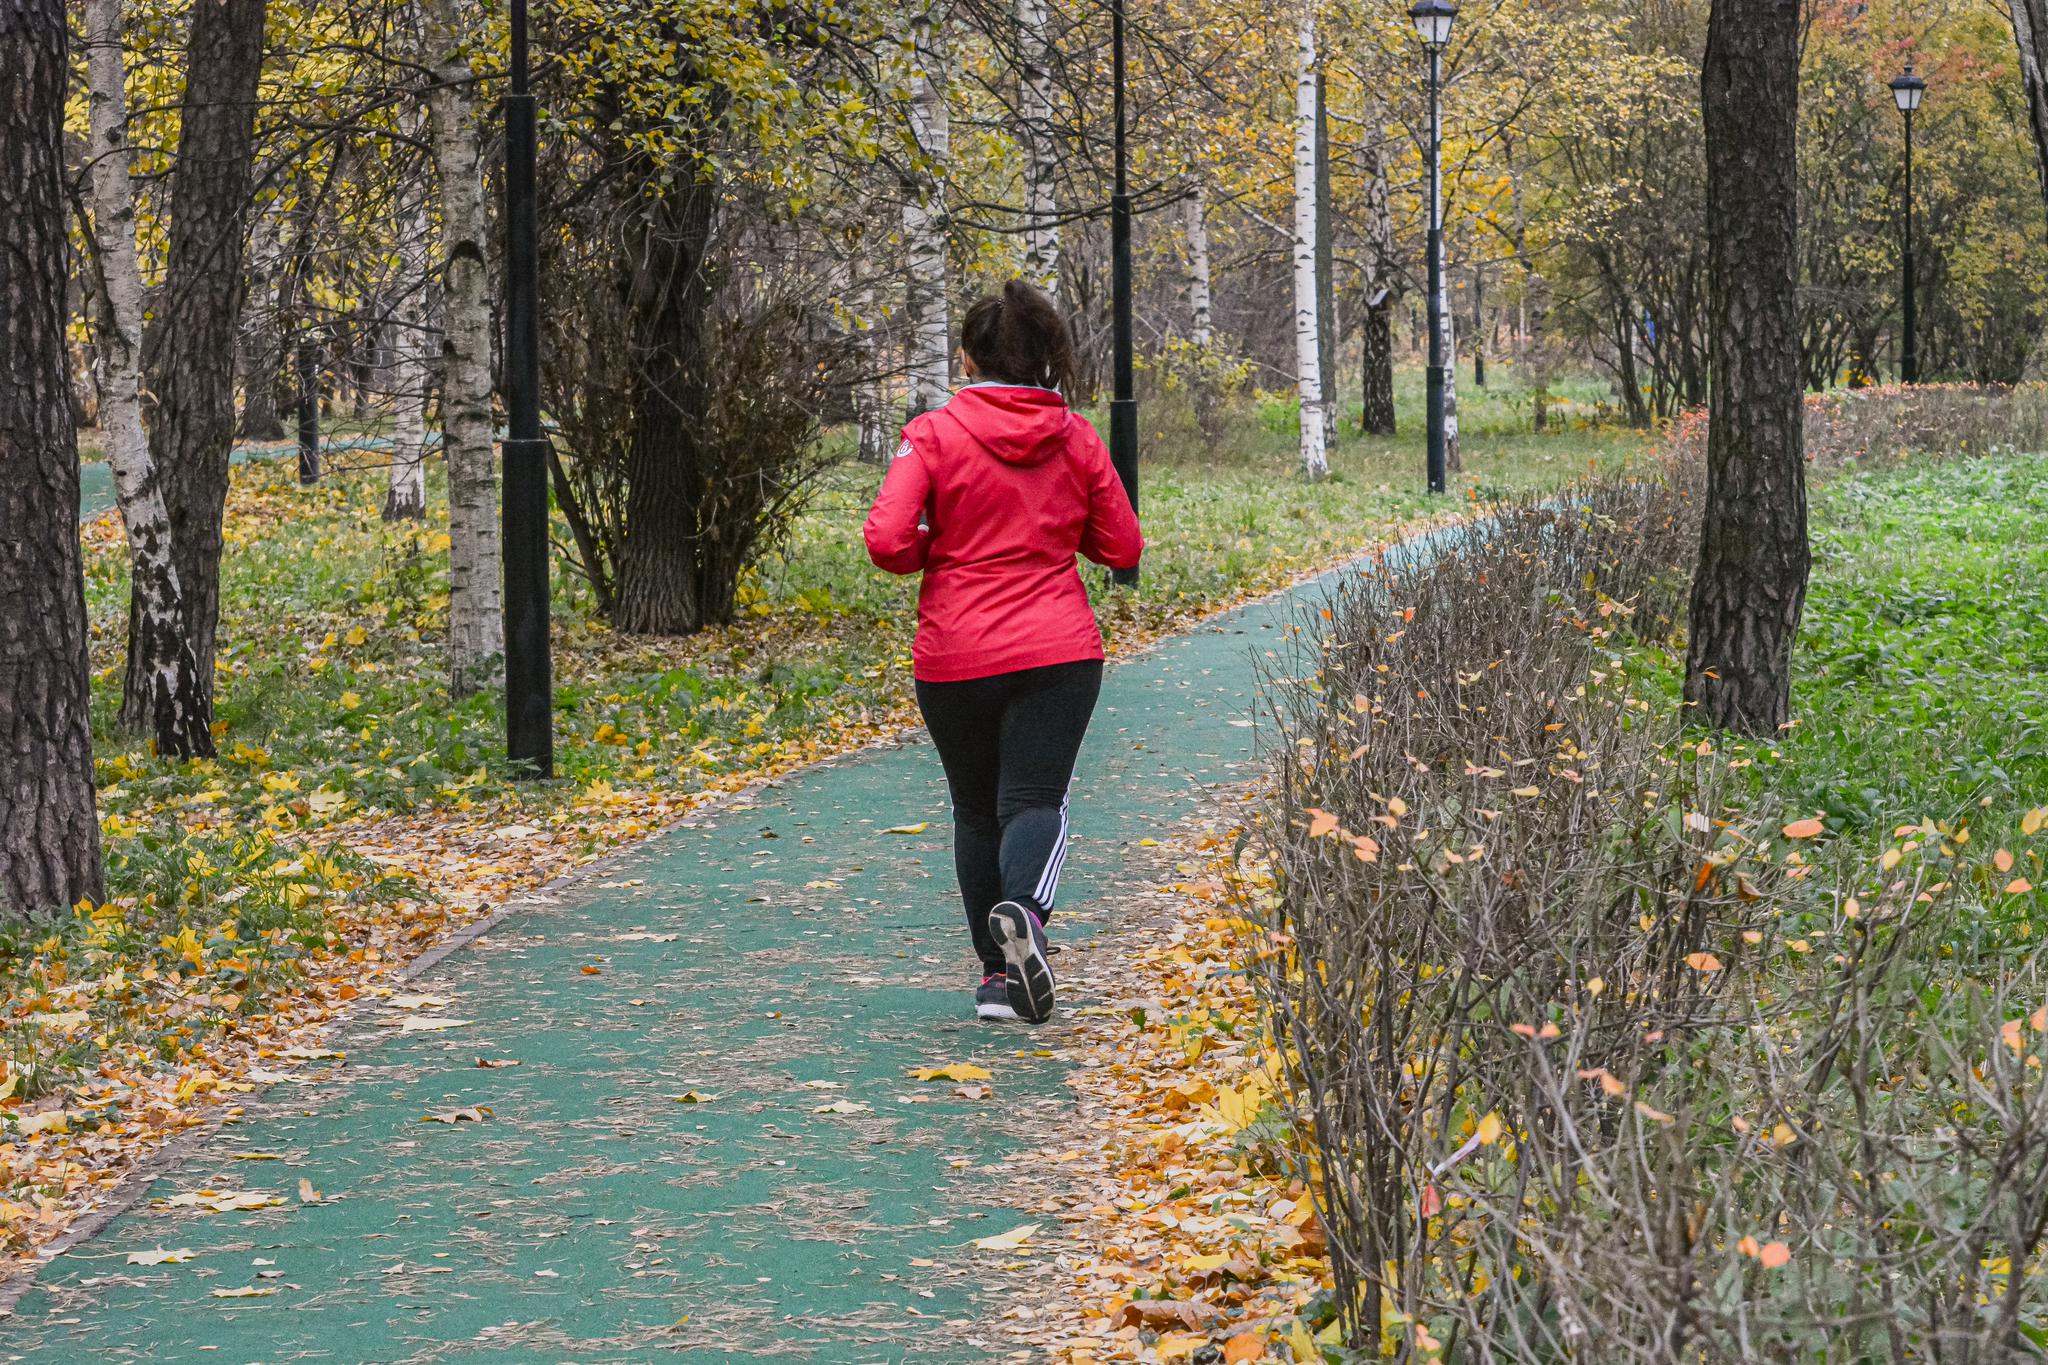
(1041, 160)
(406, 497)
(174, 705)
(1308, 343)
(1201, 309)
(924, 217)
(476, 622)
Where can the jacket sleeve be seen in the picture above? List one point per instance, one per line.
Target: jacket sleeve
(896, 541)
(1112, 537)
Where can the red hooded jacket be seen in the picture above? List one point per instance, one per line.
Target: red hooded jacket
(991, 496)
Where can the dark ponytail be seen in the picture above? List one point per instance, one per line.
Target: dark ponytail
(1019, 338)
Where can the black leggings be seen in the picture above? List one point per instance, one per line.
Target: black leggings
(1009, 744)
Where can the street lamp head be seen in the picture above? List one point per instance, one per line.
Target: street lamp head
(1433, 19)
(1907, 89)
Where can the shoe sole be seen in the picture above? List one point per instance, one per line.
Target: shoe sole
(1025, 971)
(990, 1009)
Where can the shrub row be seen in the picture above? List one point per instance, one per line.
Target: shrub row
(1586, 1062)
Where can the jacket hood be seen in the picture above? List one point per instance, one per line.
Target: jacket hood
(1017, 425)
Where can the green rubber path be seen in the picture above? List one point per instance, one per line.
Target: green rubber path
(776, 960)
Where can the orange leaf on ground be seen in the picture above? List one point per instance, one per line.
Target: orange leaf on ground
(1804, 829)
(1774, 1254)
(1243, 1347)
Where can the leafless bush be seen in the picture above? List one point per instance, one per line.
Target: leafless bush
(1886, 424)
(1587, 1065)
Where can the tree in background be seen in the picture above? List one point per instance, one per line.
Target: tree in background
(476, 623)
(49, 830)
(175, 710)
(1751, 582)
(1308, 295)
(189, 355)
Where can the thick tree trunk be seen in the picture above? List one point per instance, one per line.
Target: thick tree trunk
(262, 350)
(2030, 29)
(924, 218)
(49, 832)
(189, 357)
(476, 624)
(1326, 266)
(1308, 326)
(1376, 413)
(177, 708)
(1041, 152)
(662, 588)
(405, 498)
(1751, 583)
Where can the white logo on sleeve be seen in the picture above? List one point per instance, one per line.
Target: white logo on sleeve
(901, 451)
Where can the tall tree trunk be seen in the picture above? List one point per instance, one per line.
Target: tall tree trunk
(924, 217)
(262, 350)
(1308, 327)
(2030, 29)
(1751, 583)
(870, 405)
(189, 357)
(1201, 305)
(405, 498)
(1201, 316)
(1376, 414)
(1478, 325)
(1326, 265)
(476, 623)
(661, 588)
(49, 832)
(1041, 151)
(1454, 457)
(177, 708)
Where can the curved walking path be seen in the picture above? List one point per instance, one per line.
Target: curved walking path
(783, 961)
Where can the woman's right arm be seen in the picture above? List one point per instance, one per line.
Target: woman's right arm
(896, 540)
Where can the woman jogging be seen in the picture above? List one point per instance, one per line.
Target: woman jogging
(990, 497)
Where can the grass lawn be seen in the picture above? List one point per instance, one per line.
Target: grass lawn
(1920, 689)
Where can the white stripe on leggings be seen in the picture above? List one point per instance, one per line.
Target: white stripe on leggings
(1049, 880)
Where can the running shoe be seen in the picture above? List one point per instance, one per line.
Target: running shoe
(1026, 974)
(992, 1000)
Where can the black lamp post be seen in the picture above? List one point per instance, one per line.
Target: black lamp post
(1433, 20)
(1123, 405)
(1907, 89)
(529, 681)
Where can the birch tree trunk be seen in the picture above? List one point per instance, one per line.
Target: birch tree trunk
(2030, 29)
(1041, 232)
(924, 218)
(1750, 588)
(1326, 265)
(870, 404)
(1454, 461)
(176, 707)
(406, 498)
(1203, 379)
(262, 352)
(476, 622)
(1308, 345)
(1376, 413)
(1201, 307)
(49, 832)
(189, 352)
